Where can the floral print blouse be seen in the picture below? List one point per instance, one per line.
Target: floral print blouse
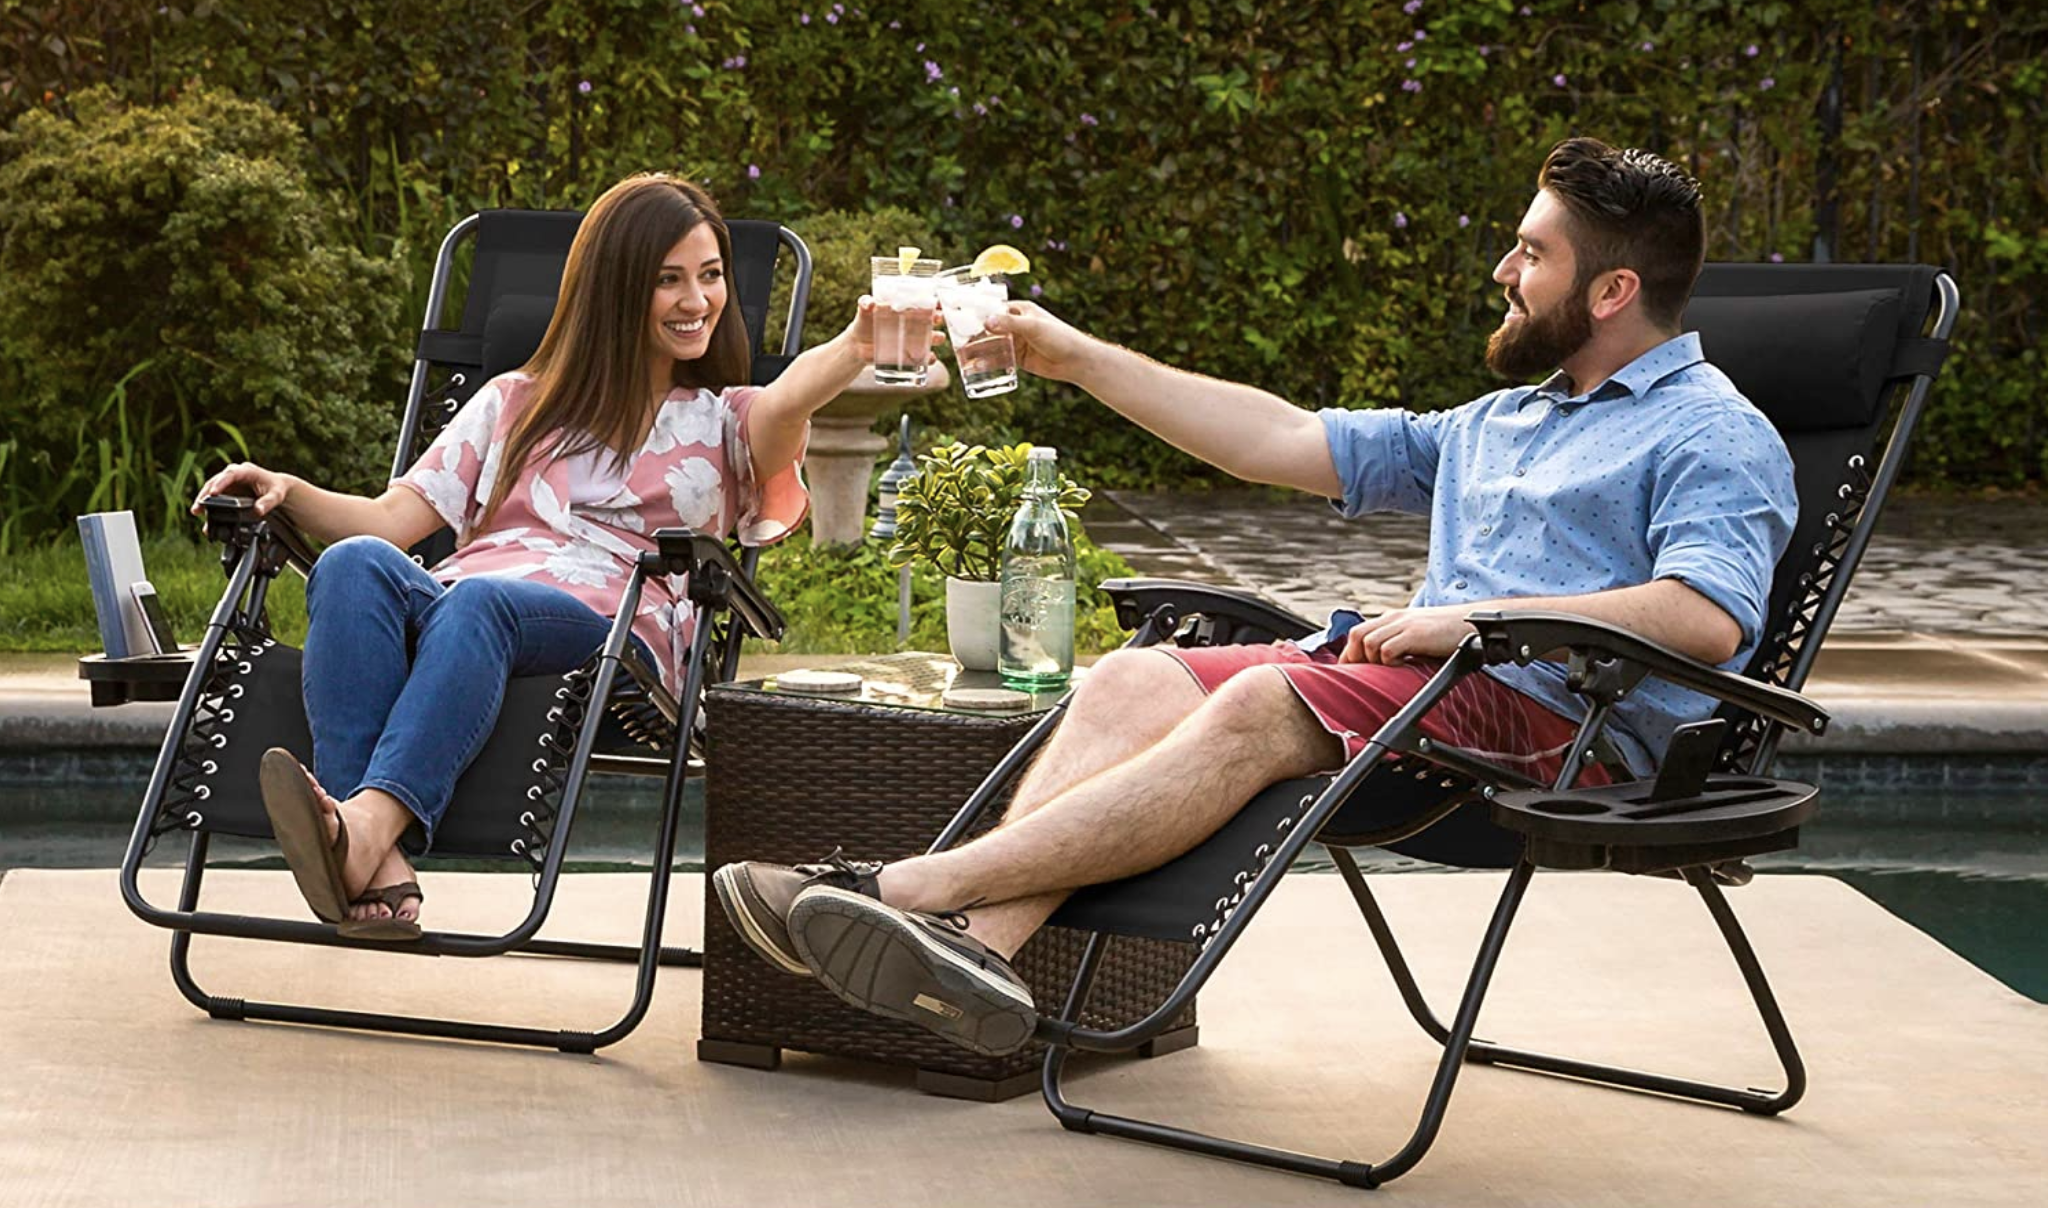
(579, 524)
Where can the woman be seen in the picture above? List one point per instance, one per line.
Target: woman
(633, 415)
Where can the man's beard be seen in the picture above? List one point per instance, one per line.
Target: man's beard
(1536, 344)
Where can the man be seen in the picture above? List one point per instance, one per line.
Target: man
(1633, 486)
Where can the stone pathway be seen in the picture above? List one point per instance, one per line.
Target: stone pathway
(1934, 567)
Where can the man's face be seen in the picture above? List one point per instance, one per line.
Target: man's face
(1548, 317)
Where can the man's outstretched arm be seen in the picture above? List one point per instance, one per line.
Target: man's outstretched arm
(1247, 432)
(1665, 611)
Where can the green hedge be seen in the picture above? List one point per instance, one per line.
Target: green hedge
(1304, 195)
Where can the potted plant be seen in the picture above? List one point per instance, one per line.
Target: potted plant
(953, 514)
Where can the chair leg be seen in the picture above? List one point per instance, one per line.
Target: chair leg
(1349, 1173)
(1390, 949)
(650, 956)
(1482, 1052)
(1754, 1100)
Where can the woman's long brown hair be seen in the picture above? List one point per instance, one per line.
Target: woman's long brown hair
(590, 372)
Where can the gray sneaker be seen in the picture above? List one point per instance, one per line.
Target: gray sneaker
(757, 897)
(921, 968)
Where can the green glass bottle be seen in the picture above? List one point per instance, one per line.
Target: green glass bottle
(1035, 649)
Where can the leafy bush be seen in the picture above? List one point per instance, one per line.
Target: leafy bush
(46, 603)
(1305, 196)
(177, 258)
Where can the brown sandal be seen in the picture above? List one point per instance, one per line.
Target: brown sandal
(390, 926)
(301, 832)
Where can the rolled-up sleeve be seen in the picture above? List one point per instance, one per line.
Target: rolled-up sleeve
(1386, 459)
(1721, 512)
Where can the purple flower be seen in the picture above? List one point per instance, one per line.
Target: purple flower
(1649, 46)
(696, 10)
(803, 19)
(1016, 222)
(980, 110)
(1037, 290)
(895, 25)
(1421, 35)
(955, 91)
(1777, 257)
(583, 86)
(1766, 84)
(1559, 79)
(838, 9)
(1750, 50)
(1464, 220)
(690, 30)
(753, 171)
(932, 74)
(1400, 221)
(1088, 119)
(831, 18)
(1525, 10)
(1410, 65)
(1484, 50)
(920, 48)
(1412, 7)
(949, 201)
(1411, 85)
(1404, 47)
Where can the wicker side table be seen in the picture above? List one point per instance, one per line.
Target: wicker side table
(788, 776)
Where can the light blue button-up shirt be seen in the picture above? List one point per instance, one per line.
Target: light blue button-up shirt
(1662, 472)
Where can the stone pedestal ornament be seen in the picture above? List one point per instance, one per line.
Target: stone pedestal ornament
(842, 453)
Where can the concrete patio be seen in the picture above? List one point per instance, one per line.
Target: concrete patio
(1926, 1074)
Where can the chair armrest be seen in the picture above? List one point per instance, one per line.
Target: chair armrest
(716, 578)
(231, 520)
(1250, 617)
(1524, 636)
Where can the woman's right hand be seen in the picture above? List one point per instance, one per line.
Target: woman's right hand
(267, 487)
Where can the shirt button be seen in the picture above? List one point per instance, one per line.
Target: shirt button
(1486, 530)
(1519, 472)
(1459, 584)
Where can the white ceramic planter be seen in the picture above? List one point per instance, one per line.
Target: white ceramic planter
(972, 619)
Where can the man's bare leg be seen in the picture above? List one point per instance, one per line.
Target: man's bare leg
(1128, 817)
(1128, 701)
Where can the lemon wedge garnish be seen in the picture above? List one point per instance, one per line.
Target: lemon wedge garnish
(906, 258)
(1000, 258)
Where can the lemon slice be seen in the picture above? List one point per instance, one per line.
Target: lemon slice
(1000, 258)
(906, 258)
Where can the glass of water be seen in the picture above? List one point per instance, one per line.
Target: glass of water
(904, 290)
(988, 362)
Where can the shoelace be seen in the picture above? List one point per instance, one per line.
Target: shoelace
(837, 862)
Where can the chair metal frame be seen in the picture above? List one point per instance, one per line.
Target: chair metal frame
(1606, 663)
(726, 604)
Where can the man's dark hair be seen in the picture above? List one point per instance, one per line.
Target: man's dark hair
(1630, 209)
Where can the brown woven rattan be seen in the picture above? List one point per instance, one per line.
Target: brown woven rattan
(791, 777)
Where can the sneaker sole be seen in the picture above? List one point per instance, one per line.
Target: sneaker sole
(873, 958)
(739, 910)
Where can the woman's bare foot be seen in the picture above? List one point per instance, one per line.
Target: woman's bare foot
(393, 871)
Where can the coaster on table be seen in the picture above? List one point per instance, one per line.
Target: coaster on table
(836, 682)
(997, 700)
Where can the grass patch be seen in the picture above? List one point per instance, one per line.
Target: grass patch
(837, 600)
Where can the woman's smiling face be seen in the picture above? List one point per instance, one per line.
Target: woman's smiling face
(689, 297)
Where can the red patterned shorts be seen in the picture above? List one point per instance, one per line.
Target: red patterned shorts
(1353, 700)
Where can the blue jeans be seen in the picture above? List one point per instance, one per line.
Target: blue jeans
(404, 677)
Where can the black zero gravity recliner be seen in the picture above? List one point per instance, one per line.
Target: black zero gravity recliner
(1829, 353)
(518, 798)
